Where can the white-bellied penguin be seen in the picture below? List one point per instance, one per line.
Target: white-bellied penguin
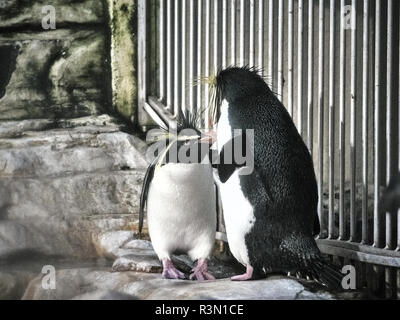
(270, 214)
(178, 190)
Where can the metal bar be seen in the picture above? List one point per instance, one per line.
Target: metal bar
(290, 57)
(199, 53)
(342, 115)
(224, 33)
(241, 33)
(398, 211)
(183, 64)
(252, 22)
(280, 50)
(353, 95)
(215, 56)
(310, 76)
(300, 67)
(169, 54)
(207, 56)
(142, 54)
(158, 112)
(271, 40)
(176, 57)
(359, 252)
(389, 114)
(377, 224)
(321, 24)
(365, 90)
(233, 32)
(261, 35)
(191, 57)
(331, 98)
(162, 50)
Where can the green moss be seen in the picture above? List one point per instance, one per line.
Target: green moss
(123, 57)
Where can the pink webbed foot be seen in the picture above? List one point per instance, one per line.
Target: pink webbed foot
(245, 276)
(170, 271)
(200, 272)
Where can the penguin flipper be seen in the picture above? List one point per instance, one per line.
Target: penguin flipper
(228, 164)
(145, 190)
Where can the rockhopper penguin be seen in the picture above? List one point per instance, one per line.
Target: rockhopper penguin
(270, 214)
(181, 203)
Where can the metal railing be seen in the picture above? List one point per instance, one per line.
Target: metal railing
(335, 66)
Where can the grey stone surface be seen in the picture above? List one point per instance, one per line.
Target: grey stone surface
(54, 74)
(79, 283)
(14, 283)
(63, 187)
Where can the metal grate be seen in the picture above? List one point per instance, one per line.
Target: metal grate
(335, 66)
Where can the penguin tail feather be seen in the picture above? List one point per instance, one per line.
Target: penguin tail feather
(324, 273)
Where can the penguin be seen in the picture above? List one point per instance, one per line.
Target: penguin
(390, 201)
(181, 203)
(270, 212)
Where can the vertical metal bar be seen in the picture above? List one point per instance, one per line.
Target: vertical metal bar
(280, 50)
(342, 125)
(191, 56)
(169, 55)
(215, 59)
(365, 81)
(377, 224)
(199, 53)
(300, 68)
(224, 32)
(176, 57)
(241, 35)
(389, 114)
(261, 35)
(353, 95)
(183, 64)
(398, 211)
(331, 153)
(290, 57)
(162, 50)
(142, 54)
(252, 22)
(310, 76)
(233, 32)
(271, 40)
(207, 56)
(321, 38)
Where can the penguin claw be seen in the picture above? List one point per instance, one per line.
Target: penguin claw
(245, 276)
(170, 271)
(200, 272)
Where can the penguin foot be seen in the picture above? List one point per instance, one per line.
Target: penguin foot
(245, 276)
(200, 272)
(170, 271)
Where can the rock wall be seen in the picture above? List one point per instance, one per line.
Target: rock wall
(68, 172)
(47, 73)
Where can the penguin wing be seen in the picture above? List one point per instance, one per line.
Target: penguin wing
(145, 191)
(228, 163)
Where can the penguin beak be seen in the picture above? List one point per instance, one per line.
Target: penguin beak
(209, 137)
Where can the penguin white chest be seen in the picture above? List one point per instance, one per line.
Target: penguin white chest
(238, 215)
(182, 210)
(238, 212)
(224, 129)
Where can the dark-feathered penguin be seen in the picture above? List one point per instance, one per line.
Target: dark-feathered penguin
(181, 204)
(271, 214)
(390, 201)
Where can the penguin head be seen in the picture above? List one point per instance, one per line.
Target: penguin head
(235, 83)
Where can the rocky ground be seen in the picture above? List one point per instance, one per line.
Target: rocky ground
(69, 196)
